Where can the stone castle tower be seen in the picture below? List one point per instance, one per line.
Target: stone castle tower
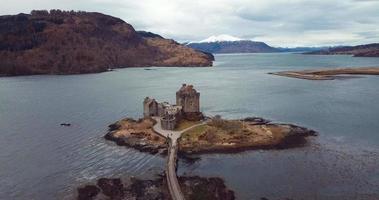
(189, 99)
(187, 107)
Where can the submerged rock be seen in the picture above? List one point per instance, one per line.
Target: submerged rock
(88, 192)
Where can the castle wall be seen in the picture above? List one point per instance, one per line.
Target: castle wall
(150, 107)
(168, 124)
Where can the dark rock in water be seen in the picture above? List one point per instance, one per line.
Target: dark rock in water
(135, 189)
(205, 188)
(88, 192)
(296, 137)
(65, 124)
(149, 189)
(111, 187)
(113, 127)
(256, 120)
(194, 188)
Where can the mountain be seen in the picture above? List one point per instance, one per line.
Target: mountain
(62, 42)
(230, 44)
(367, 50)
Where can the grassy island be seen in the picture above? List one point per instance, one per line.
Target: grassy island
(329, 74)
(137, 134)
(219, 135)
(215, 135)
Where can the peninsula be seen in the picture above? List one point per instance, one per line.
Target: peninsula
(68, 42)
(365, 50)
(329, 74)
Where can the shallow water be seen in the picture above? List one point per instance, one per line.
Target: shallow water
(39, 159)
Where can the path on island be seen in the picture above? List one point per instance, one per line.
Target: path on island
(172, 179)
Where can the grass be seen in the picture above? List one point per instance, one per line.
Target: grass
(194, 132)
(185, 124)
(217, 131)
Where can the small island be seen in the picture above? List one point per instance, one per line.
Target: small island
(199, 134)
(181, 129)
(329, 74)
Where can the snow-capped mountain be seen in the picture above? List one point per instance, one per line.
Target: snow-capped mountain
(220, 38)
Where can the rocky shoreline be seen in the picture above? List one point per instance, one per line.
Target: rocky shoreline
(193, 188)
(138, 134)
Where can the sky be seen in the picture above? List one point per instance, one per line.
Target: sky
(285, 23)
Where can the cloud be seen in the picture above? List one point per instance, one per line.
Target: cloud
(277, 22)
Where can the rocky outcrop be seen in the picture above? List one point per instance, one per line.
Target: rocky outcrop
(59, 42)
(137, 134)
(367, 50)
(193, 188)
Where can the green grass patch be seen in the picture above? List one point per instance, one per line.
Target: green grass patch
(194, 132)
(183, 124)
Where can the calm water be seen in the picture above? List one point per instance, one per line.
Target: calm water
(41, 160)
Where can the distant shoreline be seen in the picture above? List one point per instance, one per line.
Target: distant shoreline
(329, 74)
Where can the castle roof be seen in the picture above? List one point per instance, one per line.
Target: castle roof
(149, 100)
(187, 89)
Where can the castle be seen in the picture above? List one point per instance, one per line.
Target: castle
(187, 107)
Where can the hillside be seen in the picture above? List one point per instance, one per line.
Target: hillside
(367, 50)
(60, 42)
(240, 46)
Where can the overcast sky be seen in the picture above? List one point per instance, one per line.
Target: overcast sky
(276, 22)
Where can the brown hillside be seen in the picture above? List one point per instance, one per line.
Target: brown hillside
(59, 42)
